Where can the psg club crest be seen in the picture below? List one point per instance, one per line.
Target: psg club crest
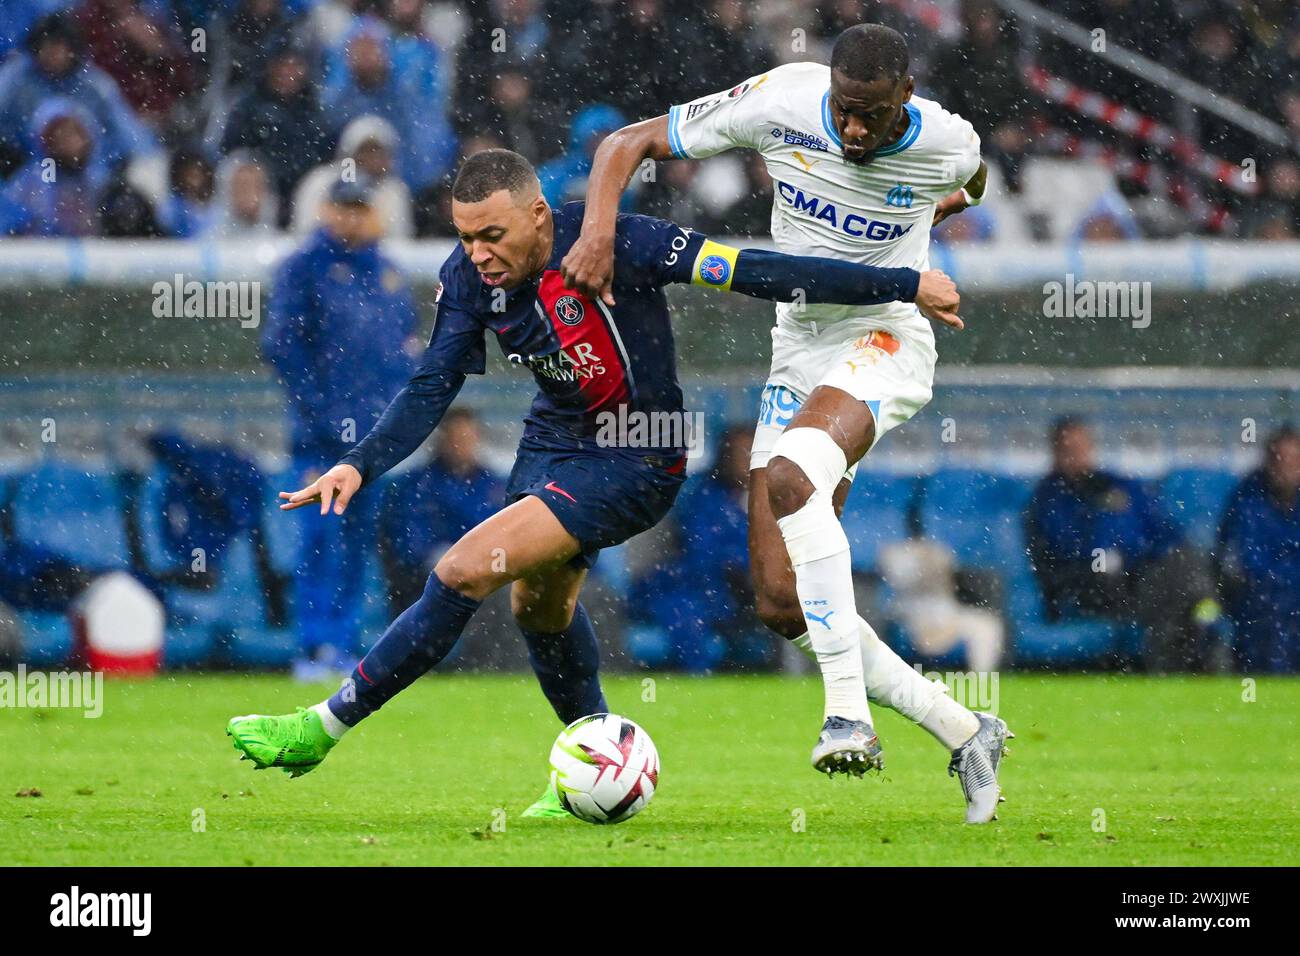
(714, 270)
(569, 310)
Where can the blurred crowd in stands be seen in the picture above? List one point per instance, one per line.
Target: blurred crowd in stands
(228, 118)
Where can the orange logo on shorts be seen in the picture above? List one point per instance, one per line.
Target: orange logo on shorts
(870, 348)
(878, 340)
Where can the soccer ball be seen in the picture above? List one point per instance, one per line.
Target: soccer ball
(605, 768)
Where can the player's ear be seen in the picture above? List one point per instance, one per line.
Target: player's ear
(909, 89)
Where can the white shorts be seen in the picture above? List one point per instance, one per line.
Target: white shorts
(891, 372)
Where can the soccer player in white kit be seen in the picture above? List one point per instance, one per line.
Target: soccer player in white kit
(861, 169)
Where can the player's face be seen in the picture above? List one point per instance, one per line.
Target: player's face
(353, 224)
(502, 237)
(867, 115)
(1284, 465)
(1075, 453)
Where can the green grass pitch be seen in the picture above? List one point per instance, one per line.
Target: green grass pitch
(1115, 770)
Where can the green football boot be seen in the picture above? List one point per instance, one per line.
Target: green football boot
(296, 743)
(548, 805)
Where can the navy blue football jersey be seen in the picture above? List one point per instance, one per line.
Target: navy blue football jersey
(585, 356)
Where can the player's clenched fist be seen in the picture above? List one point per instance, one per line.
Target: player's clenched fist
(937, 298)
(589, 267)
(338, 484)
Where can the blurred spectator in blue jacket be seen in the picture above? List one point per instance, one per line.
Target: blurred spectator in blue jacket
(17, 17)
(564, 178)
(187, 210)
(427, 509)
(694, 608)
(339, 331)
(54, 66)
(283, 122)
(1104, 546)
(370, 72)
(62, 193)
(1259, 558)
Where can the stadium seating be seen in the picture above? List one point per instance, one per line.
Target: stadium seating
(47, 638)
(1196, 497)
(977, 513)
(1037, 641)
(876, 512)
(72, 511)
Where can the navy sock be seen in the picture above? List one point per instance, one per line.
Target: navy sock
(566, 666)
(419, 638)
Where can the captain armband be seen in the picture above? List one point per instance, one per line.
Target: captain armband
(715, 265)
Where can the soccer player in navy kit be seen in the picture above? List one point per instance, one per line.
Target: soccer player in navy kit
(571, 492)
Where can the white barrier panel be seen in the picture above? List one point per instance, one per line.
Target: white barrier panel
(1186, 264)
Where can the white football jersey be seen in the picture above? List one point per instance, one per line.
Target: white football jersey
(879, 213)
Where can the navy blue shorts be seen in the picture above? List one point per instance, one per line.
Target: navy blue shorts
(601, 497)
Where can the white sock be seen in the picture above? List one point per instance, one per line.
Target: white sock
(819, 552)
(333, 726)
(891, 682)
(804, 643)
(949, 722)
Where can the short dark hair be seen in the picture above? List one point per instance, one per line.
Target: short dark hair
(1065, 423)
(490, 170)
(55, 26)
(1285, 432)
(869, 51)
(460, 413)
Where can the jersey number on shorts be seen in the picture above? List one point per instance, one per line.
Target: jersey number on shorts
(778, 406)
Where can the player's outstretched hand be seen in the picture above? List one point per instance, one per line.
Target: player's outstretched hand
(338, 484)
(937, 298)
(589, 267)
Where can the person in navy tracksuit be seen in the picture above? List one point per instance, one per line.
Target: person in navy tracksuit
(339, 319)
(1104, 546)
(1258, 558)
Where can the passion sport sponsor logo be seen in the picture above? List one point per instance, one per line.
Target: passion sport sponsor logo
(797, 137)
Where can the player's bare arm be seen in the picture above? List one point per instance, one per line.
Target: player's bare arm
(589, 265)
(960, 200)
